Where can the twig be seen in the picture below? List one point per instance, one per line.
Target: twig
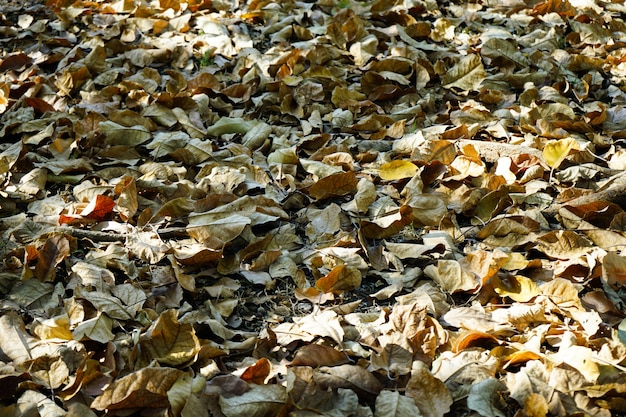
(98, 236)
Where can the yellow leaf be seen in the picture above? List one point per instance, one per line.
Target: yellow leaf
(53, 328)
(517, 288)
(396, 170)
(555, 151)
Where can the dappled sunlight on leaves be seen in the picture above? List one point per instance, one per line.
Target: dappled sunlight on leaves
(343, 208)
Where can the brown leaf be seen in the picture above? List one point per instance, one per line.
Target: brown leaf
(257, 373)
(127, 203)
(598, 213)
(15, 61)
(54, 251)
(146, 388)
(374, 230)
(318, 355)
(562, 7)
(429, 393)
(39, 105)
(335, 185)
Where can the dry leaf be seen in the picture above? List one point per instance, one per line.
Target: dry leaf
(341, 278)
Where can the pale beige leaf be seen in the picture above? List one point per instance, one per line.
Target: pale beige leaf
(204, 227)
(35, 295)
(363, 199)
(394, 359)
(105, 303)
(184, 396)
(486, 398)
(147, 246)
(15, 342)
(562, 292)
(34, 403)
(391, 403)
(51, 372)
(467, 74)
(98, 329)
(165, 143)
(348, 376)
(324, 324)
(259, 401)
(132, 297)
(117, 134)
(450, 276)
(428, 209)
(229, 125)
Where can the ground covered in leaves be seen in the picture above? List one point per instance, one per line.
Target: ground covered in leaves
(339, 208)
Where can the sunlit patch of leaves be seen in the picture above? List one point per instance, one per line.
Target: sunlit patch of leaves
(343, 208)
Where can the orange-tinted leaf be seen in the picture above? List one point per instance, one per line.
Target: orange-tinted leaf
(520, 357)
(258, 372)
(99, 208)
(474, 338)
(39, 105)
(313, 295)
(341, 278)
(562, 7)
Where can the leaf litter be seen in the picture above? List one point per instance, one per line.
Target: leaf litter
(227, 208)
